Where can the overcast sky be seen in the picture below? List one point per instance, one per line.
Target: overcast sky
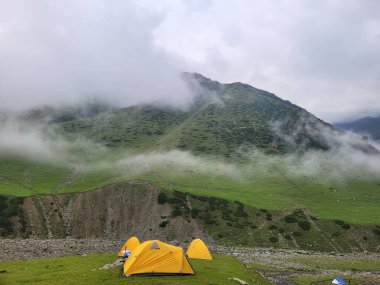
(321, 55)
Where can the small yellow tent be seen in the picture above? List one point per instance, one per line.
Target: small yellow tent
(130, 245)
(197, 249)
(154, 257)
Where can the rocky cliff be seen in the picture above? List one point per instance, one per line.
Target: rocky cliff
(114, 212)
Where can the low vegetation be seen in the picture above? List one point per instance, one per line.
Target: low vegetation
(85, 270)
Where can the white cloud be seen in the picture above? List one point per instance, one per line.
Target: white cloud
(321, 55)
(62, 52)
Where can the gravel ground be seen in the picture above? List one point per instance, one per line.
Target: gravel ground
(22, 249)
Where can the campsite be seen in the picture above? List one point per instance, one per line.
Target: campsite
(254, 266)
(209, 142)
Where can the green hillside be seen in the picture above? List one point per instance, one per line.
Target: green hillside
(223, 118)
(209, 149)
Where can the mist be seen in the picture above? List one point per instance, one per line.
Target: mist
(39, 141)
(55, 53)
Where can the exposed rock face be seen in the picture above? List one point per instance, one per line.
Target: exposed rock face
(114, 212)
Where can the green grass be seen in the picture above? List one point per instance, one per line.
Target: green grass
(329, 199)
(267, 187)
(80, 270)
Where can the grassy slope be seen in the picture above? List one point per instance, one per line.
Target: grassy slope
(25, 177)
(353, 201)
(78, 270)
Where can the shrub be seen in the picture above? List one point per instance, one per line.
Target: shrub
(272, 227)
(288, 237)
(163, 224)
(346, 226)
(176, 212)
(263, 210)
(299, 213)
(175, 200)
(290, 219)
(253, 227)
(210, 221)
(162, 198)
(336, 234)
(281, 230)
(296, 234)
(238, 226)
(273, 239)
(365, 238)
(376, 231)
(195, 213)
(305, 225)
(339, 222)
(240, 210)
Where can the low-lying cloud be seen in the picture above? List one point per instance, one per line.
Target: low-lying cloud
(349, 157)
(41, 142)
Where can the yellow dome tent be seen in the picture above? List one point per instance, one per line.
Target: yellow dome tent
(198, 250)
(130, 245)
(154, 257)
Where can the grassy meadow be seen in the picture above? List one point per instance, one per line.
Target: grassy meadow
(352, 199)
(85, 270)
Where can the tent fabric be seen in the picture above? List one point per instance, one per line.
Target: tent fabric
(338, 281)
(129, 245)
(198, 250)
(157, 258)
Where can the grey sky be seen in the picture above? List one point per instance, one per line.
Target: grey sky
(321, 55)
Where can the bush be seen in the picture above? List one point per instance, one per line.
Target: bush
(175, 200)
(305, 225)
(273, 239)
(162, 198)
(238, 226)
(297, 234)
(263, 210)
(253, 227)
(365, 238)
(272, 227)
(195, 213)
(210, 221)
(240, 210)
(376, 231)
(290, 219)
(336, 234)
(346, 226)
(339, 222)
(176, 213)
(281, 230)
(299, 213)
(287, 237)
(163, 224)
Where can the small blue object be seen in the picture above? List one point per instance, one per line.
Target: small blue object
(339, 281)
(126, 253)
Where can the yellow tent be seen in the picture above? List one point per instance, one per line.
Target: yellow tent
(197, 249)
(154, 257)
(130, 245)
